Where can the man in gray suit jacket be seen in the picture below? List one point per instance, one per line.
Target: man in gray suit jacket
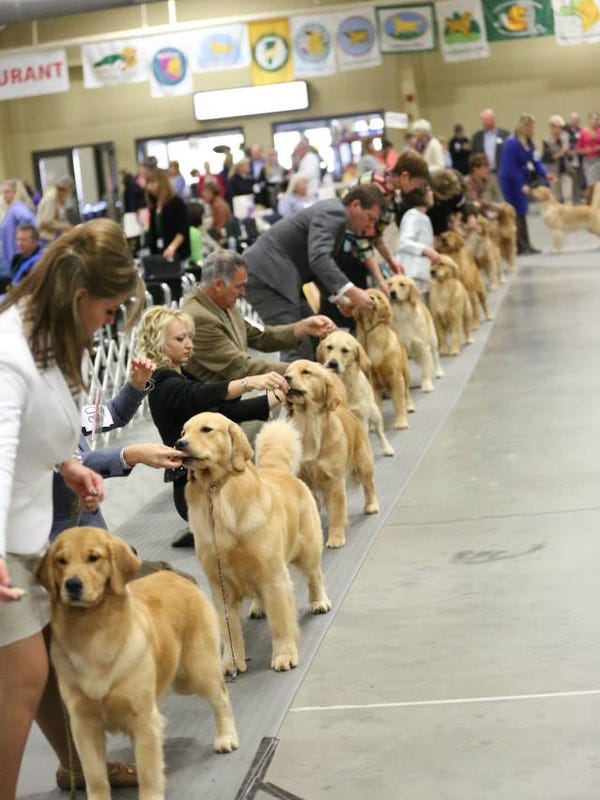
(490, 140)
(304, 247)
(221, 334)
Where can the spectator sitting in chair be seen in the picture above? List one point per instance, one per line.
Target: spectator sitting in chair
(29, 250)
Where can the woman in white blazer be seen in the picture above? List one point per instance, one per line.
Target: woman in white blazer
(45, 325)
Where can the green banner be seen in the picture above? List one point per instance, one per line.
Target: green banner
(518, 19)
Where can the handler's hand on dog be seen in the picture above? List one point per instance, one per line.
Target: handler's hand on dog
(359, 298)
(153, 455)
(84, 482)
(269, 381)
(317, 325)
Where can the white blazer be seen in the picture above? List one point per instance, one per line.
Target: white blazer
(416, 233)
(39, 427)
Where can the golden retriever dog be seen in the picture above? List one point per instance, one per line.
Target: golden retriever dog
(482, 245)
(118, 644)
(249, 522)
(560, 218)
(454, 245)
(344, 355)
(504, 233)
(413, 325)
(389, 362)
(450, 307)
(334, 442)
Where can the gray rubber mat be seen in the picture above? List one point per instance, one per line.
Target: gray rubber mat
(260, 697)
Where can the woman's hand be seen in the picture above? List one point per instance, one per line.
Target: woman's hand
(159, 456)
(84, 482)
(170, 252)
(526, 189)
(140, 372)
(8, 592)
(268, 381)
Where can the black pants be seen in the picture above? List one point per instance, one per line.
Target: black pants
(179, 498)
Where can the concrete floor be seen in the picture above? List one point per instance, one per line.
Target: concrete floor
(462, 661)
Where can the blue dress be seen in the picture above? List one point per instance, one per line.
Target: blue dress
(517, 167)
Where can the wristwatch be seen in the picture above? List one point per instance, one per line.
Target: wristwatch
(245, 387)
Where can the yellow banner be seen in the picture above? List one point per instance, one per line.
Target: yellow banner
(271, 51)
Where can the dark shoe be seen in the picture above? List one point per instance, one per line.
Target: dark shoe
(120, 776)
(186, 540)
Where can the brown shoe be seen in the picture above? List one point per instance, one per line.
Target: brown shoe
(120, 776)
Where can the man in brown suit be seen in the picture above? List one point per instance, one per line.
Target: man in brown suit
(222, 336)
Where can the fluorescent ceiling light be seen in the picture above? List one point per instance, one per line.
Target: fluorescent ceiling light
(246, 101)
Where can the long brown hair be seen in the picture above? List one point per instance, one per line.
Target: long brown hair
(93, 256)
(165, 189)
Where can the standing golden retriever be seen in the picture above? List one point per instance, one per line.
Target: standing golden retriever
(334, 442)
(482, 246)
(389, 363)
(413, 325)
(505, 234)
(249, 523)
(453, 244)
(450, 307)
(560, 218)
(344, 355)
(118, 646)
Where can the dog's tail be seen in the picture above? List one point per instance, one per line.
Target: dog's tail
(278, 446)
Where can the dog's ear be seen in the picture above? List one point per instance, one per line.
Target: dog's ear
(364, 362)
(335, 394)
(240, 448)
(123, 561)
(45, 573)
(320, 352)
(413, 294)
(385, 310)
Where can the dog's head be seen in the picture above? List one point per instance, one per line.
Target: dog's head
(340, 351)
(213, 445)
(506, 214)
(380, 312)
(542, 193)
(312, 386)
(403, 290)
(83, 565)
(444, 270)
(451, 242)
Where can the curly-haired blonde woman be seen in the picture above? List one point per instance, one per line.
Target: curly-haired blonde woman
(165, 336)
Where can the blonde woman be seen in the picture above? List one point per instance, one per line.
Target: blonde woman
(520, 166)
(168, 227)
(165, 336)
(46, 323)
(557, 158)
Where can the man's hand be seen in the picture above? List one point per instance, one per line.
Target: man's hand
(317, 325)
(84, 482)
(140, 372)
(396, 266)
(358, 298)
(7, 590)
(153, 455)
(431, 254)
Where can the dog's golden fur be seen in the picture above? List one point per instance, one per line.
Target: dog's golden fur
(560, 218)
(334, 442)
(118, 645)
(389, 362)
(450, 307)
(453, 244)
(504, 233)
(413, 325)
(481, 243)
(344, 355)
(249, 522)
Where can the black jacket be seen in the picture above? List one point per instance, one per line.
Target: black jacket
(172, 220)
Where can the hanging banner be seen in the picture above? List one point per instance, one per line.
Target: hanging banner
(112, 63)
(30, 74)
(221, 48)
(517, 19)
(461, 30)
(271, 51)
(406, 29)
(169, 65)
(313, 45)
(356, 39)
(577, 21)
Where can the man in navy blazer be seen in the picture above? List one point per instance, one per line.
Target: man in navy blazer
(490, 140)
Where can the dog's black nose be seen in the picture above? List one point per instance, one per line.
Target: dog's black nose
(181, 444)
(288, 378)
(74, 587)
(393, 294)
(333, 365)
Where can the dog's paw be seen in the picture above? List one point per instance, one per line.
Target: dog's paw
(470, 339)
(493, 287)
(427, 386)
(228, 668)
(440, 373)
(456, 350)
(372, 507)
(284, 662)
(226, 743)
(401, 423)
(410, 407)
(388, 450)
(256, 611)
(335, 540)
(489, 316)
(320, 606)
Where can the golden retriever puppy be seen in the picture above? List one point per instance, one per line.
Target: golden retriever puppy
(453, 244)
(482, 246)
(118, 645)
(560, 218)
(249, 522)
(334, 442)
(344, 355)
(413, 325)
(450, 307)
(389, 362)
(505, 233)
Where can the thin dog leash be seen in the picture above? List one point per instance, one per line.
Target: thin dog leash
(211, 490)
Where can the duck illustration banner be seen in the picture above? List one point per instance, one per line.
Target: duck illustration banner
(271, 50)
(406, 29)
(356, 39)
(577, 21)
(113, 63)
(169, 61)
(517, 19)
(313, 44)
(221, 48)
(461, 30)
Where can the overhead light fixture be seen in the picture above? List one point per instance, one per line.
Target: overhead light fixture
(246, 101)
